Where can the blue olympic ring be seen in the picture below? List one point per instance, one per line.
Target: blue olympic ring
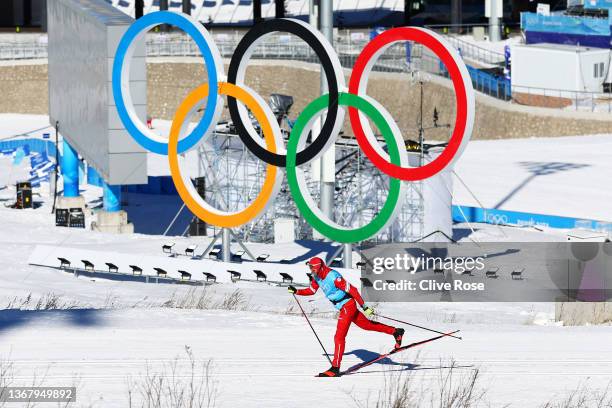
(120, 80)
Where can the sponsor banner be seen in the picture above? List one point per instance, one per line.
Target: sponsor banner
(585, 40)
(463, 213)
(598, 4)
(564, 24)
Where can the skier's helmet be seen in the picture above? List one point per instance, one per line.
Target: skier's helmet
(315, 263)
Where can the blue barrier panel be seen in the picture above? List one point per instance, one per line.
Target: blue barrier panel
(597, 41)
(167, 186)
(38, 159)
(162, 185)
(492, 85)
(34, 145)
(493, 216)
(19, 156)
(598, 4)
(153, 186)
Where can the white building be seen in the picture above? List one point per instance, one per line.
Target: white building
(540, 68)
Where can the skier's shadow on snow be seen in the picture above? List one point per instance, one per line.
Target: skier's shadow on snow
(13, 318)
(367, 355)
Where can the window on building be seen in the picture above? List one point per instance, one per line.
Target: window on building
(598, 70)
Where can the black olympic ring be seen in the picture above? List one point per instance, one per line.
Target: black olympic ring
(237, 70)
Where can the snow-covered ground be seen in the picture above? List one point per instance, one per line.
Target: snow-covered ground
(263, 354)
(108, 334)
(268, 359)
(567, 176)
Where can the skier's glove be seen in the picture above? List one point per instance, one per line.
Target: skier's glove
(291, 289)
(368, 311)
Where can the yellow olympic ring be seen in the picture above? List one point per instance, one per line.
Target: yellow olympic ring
(272, 181)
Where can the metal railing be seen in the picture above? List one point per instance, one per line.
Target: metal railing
(22, 50)
(395, 59)
(281, 47)
(275, 46)
(475, 52)
(565, 99)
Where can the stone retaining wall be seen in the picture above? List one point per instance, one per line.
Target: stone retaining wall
(24, 90)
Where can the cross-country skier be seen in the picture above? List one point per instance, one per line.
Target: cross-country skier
(345, 298)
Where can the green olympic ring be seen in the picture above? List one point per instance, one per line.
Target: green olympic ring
(297, 182)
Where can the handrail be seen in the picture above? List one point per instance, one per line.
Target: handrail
(476, 52)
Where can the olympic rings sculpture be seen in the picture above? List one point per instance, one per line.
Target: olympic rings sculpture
(361, 107)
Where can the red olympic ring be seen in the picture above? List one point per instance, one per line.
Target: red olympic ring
(461, 118)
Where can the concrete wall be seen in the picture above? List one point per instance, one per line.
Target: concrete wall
(24, 90)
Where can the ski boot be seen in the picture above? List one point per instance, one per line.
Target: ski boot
(332, 372)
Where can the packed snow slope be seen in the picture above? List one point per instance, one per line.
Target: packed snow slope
(566, 176)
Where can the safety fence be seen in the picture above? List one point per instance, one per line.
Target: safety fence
(492, 85)
(39, 153)
(564, 99)
(397, 58)
(22, 51)
(475, 52)
(35, 145)
(489, 84)
(348, 44)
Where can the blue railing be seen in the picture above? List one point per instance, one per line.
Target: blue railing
(489, 84)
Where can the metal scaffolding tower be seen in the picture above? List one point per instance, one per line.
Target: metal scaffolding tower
(235, 176)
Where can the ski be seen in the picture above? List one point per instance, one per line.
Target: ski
(406, 347)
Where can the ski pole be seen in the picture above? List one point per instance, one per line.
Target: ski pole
(420, 327)
(312, 328)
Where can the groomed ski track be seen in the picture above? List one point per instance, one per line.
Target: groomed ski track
(263, 359)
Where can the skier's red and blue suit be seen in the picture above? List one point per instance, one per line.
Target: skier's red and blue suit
(345, 298)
